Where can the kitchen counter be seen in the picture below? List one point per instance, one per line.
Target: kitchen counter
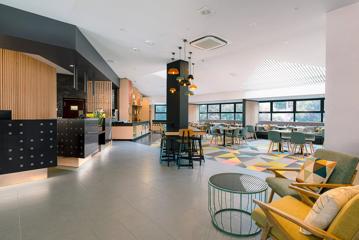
(130, 131)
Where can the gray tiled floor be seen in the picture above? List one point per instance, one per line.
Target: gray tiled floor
(124, 193)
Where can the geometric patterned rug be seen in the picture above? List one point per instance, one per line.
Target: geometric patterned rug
(252, 155)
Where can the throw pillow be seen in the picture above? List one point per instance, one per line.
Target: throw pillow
(316, 171)
(328, 206)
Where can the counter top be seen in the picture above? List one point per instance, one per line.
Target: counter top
(117, 123)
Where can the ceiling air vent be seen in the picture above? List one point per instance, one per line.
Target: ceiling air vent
(208, 42)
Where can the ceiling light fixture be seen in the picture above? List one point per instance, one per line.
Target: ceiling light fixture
(135, 49)
(190, 93)
(173, 90)
(149, 43)
(173, 71)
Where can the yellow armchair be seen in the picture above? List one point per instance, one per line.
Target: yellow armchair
(282, 219)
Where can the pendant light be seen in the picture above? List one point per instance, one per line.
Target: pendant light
(173, 71)
(193, 86)
(190, 93)
(190, 76)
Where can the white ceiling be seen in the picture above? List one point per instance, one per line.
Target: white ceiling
(259, 32)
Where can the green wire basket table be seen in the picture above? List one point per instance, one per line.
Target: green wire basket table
(230, 202)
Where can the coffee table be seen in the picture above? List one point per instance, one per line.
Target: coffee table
(230, 202)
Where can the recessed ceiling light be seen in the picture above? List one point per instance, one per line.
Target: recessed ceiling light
(296, 8)
(205, 11)
(135, 49)
(71, 65)
(149, 43)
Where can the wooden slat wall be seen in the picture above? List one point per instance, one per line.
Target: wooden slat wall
(27, 86)
(102, 98)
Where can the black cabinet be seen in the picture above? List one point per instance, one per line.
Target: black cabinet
(77, 137)
(27, 145)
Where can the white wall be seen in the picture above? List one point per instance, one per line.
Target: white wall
(251, 114)
(193, 113)
(342, 83)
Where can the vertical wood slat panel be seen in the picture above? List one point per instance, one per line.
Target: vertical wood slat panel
(102, 98)
(27, 86)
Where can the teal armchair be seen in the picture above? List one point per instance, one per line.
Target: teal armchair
(343, 174)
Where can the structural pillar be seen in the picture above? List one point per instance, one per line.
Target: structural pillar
(177, 102)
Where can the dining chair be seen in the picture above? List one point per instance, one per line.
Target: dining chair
(286, 140)
(215, 133)
(298, 141)
(310, 139)
(251, 130)
(236, 135)
(275, 139)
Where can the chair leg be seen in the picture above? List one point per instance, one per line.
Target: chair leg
(271, 196)
(265, 232)
(270, 145)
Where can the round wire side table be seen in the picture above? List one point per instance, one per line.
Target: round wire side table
(230, 202)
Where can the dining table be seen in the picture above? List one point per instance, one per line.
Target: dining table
(228, 129)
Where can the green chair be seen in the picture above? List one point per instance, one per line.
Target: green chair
(310, 139)
(243, 134)
(286, 138)
(343, 174)
(282, 219)
(298, 140)
(251, 130)
(275, 139)
(237, 135)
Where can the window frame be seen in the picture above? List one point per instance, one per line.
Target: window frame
(294, 112)
(155, 112)
(220, 111)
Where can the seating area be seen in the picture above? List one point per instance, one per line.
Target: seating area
(231, 120)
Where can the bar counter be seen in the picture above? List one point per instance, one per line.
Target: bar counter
(77, 138)
(130, 130)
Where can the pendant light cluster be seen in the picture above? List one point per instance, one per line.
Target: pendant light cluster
(183, 80)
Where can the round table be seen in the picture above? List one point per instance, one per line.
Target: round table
(230, 202)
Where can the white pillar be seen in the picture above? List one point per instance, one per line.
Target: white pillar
(342, 82)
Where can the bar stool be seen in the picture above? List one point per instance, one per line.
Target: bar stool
(185, 148)
(167, 150)
(197, 150)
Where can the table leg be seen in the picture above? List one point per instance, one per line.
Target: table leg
(224, 137)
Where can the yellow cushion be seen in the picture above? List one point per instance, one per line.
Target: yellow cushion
(288, 205)
(345, 224)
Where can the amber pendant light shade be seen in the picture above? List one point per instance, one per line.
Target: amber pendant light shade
(173, 71)
(193, 87)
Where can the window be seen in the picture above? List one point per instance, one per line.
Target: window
(213, 108)
(283, 106)
(239, 107)
(308, 117)
(282, 117)
(239, 117)
(227, 116)
(264, 107)
(264, 117)
(213, 116)
(308, 106)
(221, 111)
(160, 112)
(227, 107)
(203, 108)
(203, 116)
(311, 110)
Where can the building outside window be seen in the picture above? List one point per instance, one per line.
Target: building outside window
(160, 112)
(221, 111)
(311, 110)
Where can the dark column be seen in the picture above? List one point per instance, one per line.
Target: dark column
(177, 103)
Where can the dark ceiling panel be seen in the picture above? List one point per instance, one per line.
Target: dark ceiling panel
(59, 42)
